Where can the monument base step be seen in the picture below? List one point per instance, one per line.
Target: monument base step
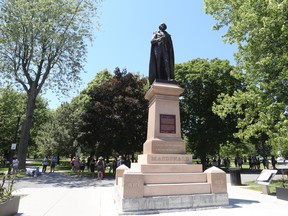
(160, 178)
(176, 189)
(167, 168)
(154, 204)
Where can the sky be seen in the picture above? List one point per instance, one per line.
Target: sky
(126, 30)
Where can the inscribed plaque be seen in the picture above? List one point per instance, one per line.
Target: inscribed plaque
(167, 124)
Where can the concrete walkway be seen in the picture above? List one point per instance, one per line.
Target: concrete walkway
(59, 194)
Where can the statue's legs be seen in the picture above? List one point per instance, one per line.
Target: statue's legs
(166, 65)
(159, 58)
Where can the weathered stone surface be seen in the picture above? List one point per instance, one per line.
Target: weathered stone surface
(119, 172)
(133, 185)
(168, 178)
(148, 204)
(168, 168)
(164, 146)
(163, 100)
(217, 178)
(164, 177)
(165, 159)
(176, 189)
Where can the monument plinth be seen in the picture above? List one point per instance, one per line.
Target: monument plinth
(164, 177)
(164, 131)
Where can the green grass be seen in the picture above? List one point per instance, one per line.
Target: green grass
(64, 166)
(272, 186)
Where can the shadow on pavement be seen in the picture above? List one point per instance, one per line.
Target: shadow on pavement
(234, 203)
(59, 179)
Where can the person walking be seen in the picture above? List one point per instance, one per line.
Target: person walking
(92, 166)
(53, 164)
(273, 162)
(15, 164)
(82, 165)
(100, 168)
(114, 167)
(44, 164)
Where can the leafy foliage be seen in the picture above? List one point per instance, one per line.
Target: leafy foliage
(12, 105)
(203, 82)
(42, 46)
(260, 30)
(116, 117)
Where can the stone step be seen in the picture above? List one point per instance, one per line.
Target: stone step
(176, 189)
(167, 168)
(158, 178)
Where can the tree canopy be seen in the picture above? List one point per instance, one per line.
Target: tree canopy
(43, 44)
(203, 81)
(12, 112)
(259, 28)
(115, 120)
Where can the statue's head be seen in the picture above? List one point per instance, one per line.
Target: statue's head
(162, 27)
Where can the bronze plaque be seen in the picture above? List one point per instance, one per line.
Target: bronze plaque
(167, 124)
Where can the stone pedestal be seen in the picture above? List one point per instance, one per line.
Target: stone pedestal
(164, 177)
(164, 129)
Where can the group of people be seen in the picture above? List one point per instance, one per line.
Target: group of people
(92, 165)
(254, 162)
(45, 163)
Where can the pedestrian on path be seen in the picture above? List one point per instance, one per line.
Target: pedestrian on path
(100, 168)
(92, 166)
(82, 165)
(15, 164)
(53, 163)
(44, 164)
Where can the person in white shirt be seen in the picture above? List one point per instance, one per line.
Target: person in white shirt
(15, 164)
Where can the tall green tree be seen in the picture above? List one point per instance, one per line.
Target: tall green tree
(116, 118)
(53, 136)
(11, 111)
(203, 81)
(259, 28)
(43, 46)
(61, 135)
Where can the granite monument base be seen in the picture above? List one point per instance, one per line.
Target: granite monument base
(164, 177)
(157, 204)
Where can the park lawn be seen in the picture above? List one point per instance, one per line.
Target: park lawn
(272, 186)
(63, 166)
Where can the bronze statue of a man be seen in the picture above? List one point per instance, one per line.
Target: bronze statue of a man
(161, 66)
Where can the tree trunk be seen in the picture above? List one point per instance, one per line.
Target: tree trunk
(25, 130)
(203, 161)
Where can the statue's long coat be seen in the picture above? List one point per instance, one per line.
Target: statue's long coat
(153, 67)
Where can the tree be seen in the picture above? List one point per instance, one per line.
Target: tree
(116, 117)
(42, 46)
(259, 28)
(11, 105)
(53, 137)
(203, 81)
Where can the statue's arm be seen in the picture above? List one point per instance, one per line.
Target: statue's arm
(157, 38)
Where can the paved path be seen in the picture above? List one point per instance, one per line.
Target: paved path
(61, 180)
(59, 194)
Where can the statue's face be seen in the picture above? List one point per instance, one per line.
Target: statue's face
(162, 27)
